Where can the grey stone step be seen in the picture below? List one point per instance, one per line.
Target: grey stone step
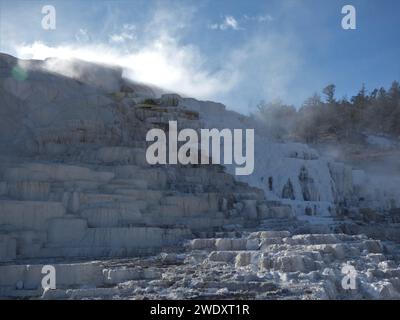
(29, 215)
(193, 203)
(194, 223)
(151, 196)
(224, 244)
(55, 172)
(127, 237)
(90, 200)
(115, 215)
(116, 184)
(116, 155)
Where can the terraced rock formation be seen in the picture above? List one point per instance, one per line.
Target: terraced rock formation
(77, 193)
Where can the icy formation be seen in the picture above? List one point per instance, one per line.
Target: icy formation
(75, 187)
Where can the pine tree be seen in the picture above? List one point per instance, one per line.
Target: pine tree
(329, 91)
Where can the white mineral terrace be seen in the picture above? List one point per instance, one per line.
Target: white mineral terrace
(77, 193)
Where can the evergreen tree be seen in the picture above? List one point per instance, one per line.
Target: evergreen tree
(378, 112)
(329, 92)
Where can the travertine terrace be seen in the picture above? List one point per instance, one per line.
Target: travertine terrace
(76, 192)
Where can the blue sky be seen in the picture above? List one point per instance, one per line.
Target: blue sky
(237, 52)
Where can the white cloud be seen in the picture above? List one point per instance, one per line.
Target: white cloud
(82, 35)
(127, 34)
(264, 18)
(259, 18)
(229, 22)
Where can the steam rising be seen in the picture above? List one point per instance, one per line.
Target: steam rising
(156, 54)
(162, 64)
